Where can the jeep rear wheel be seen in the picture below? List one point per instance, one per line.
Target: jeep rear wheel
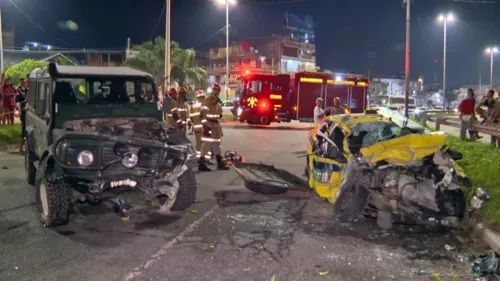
(187, 191)
(29, 167)
(53, 200)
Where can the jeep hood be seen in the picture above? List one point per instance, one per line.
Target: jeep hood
(405, 150)
(95, 111)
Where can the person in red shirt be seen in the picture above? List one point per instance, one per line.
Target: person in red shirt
(9, 94)
(467, 108)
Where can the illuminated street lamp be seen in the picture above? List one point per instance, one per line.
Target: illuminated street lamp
(227, 2)
(445, 19)
(491, 51)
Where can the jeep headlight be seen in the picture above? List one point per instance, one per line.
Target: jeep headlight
(239, 111)
(130, 160)
(85, 158)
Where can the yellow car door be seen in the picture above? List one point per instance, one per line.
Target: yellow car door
(325, 162)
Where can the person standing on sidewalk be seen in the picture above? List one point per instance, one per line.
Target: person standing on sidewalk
(169, 106)
(21, 101)
(467, 110)
(8, 100)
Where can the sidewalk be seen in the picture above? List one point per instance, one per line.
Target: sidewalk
(452, 131)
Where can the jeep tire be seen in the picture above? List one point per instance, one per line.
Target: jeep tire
(187, 191)
(29, 167)
(53, 200)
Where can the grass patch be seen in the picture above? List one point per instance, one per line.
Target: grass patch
(481, 162)
(10, 134)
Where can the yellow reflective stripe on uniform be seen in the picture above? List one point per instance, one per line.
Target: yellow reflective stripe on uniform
(181, 109)
(174, 109)
(204, 107)
(169, 115)
(210, 140)
(204, 121)
(198, 126)
(195, 114)
(179, 121)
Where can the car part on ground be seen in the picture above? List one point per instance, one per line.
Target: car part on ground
(267, 179)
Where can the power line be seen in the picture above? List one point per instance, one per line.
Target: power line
(39, 26)
(474, 1)
(210, 38)
(163, 9)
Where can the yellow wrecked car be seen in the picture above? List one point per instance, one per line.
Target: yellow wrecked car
(388, 166)
(381, 164)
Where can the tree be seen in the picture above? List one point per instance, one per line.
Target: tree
(20, 70)
(150, 57)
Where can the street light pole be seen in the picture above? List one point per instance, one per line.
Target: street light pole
(492, 51)
(227, 2)
(407, 58)
(227, 49)
(445, 19)
(166, 82)
(1, 42)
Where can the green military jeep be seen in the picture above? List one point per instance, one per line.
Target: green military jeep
(94, 131)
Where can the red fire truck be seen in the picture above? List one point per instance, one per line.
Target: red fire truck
(267, 98)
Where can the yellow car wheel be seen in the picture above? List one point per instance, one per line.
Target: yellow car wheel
(351, 202)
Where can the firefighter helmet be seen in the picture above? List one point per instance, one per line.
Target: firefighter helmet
(200, 94)
(216, 87)
(336, 99)
(182, 91)
(172, 91)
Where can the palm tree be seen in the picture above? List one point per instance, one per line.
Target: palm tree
(150, 57)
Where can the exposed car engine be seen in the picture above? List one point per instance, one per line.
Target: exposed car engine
(150, 154)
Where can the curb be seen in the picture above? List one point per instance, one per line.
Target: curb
(491, 238)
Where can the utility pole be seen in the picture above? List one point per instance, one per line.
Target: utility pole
(407, 58)
(480, 86)
(166, 82)
(227, 49)
(1, 42)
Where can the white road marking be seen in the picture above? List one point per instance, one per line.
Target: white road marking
(163, 250)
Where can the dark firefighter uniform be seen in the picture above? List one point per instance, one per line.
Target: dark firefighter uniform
(210, 114)
(172, 97)
(194, 114)
(180, 112)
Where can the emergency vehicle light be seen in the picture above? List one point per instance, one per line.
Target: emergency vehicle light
(311, 80)
(276, 97)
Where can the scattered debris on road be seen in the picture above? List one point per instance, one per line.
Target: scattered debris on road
(486, 265)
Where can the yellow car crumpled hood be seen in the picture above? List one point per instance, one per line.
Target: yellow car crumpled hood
(405, 150)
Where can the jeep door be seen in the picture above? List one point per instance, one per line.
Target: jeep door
(38, 117)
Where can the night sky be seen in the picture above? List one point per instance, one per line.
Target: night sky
(357, 36)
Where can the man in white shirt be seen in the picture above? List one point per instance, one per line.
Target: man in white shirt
(319, 113)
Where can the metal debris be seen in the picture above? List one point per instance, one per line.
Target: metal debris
(486, 264)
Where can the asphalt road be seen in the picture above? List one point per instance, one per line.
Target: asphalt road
(229, 234)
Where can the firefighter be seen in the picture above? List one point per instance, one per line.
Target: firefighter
(180, 111)
(194, 114)
(210, 114)
(169, 104)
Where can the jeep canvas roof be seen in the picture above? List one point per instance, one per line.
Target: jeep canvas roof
(70, 71)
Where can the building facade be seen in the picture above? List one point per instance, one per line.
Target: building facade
(291, 51)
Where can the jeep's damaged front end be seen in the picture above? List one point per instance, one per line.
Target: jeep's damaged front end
(99, 156)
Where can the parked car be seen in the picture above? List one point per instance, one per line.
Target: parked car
(90, 147)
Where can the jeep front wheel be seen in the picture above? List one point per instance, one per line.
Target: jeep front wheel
(187, 191)
(53, 200)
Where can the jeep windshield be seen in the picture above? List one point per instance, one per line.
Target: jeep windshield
(105, 97)
(105, 91)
